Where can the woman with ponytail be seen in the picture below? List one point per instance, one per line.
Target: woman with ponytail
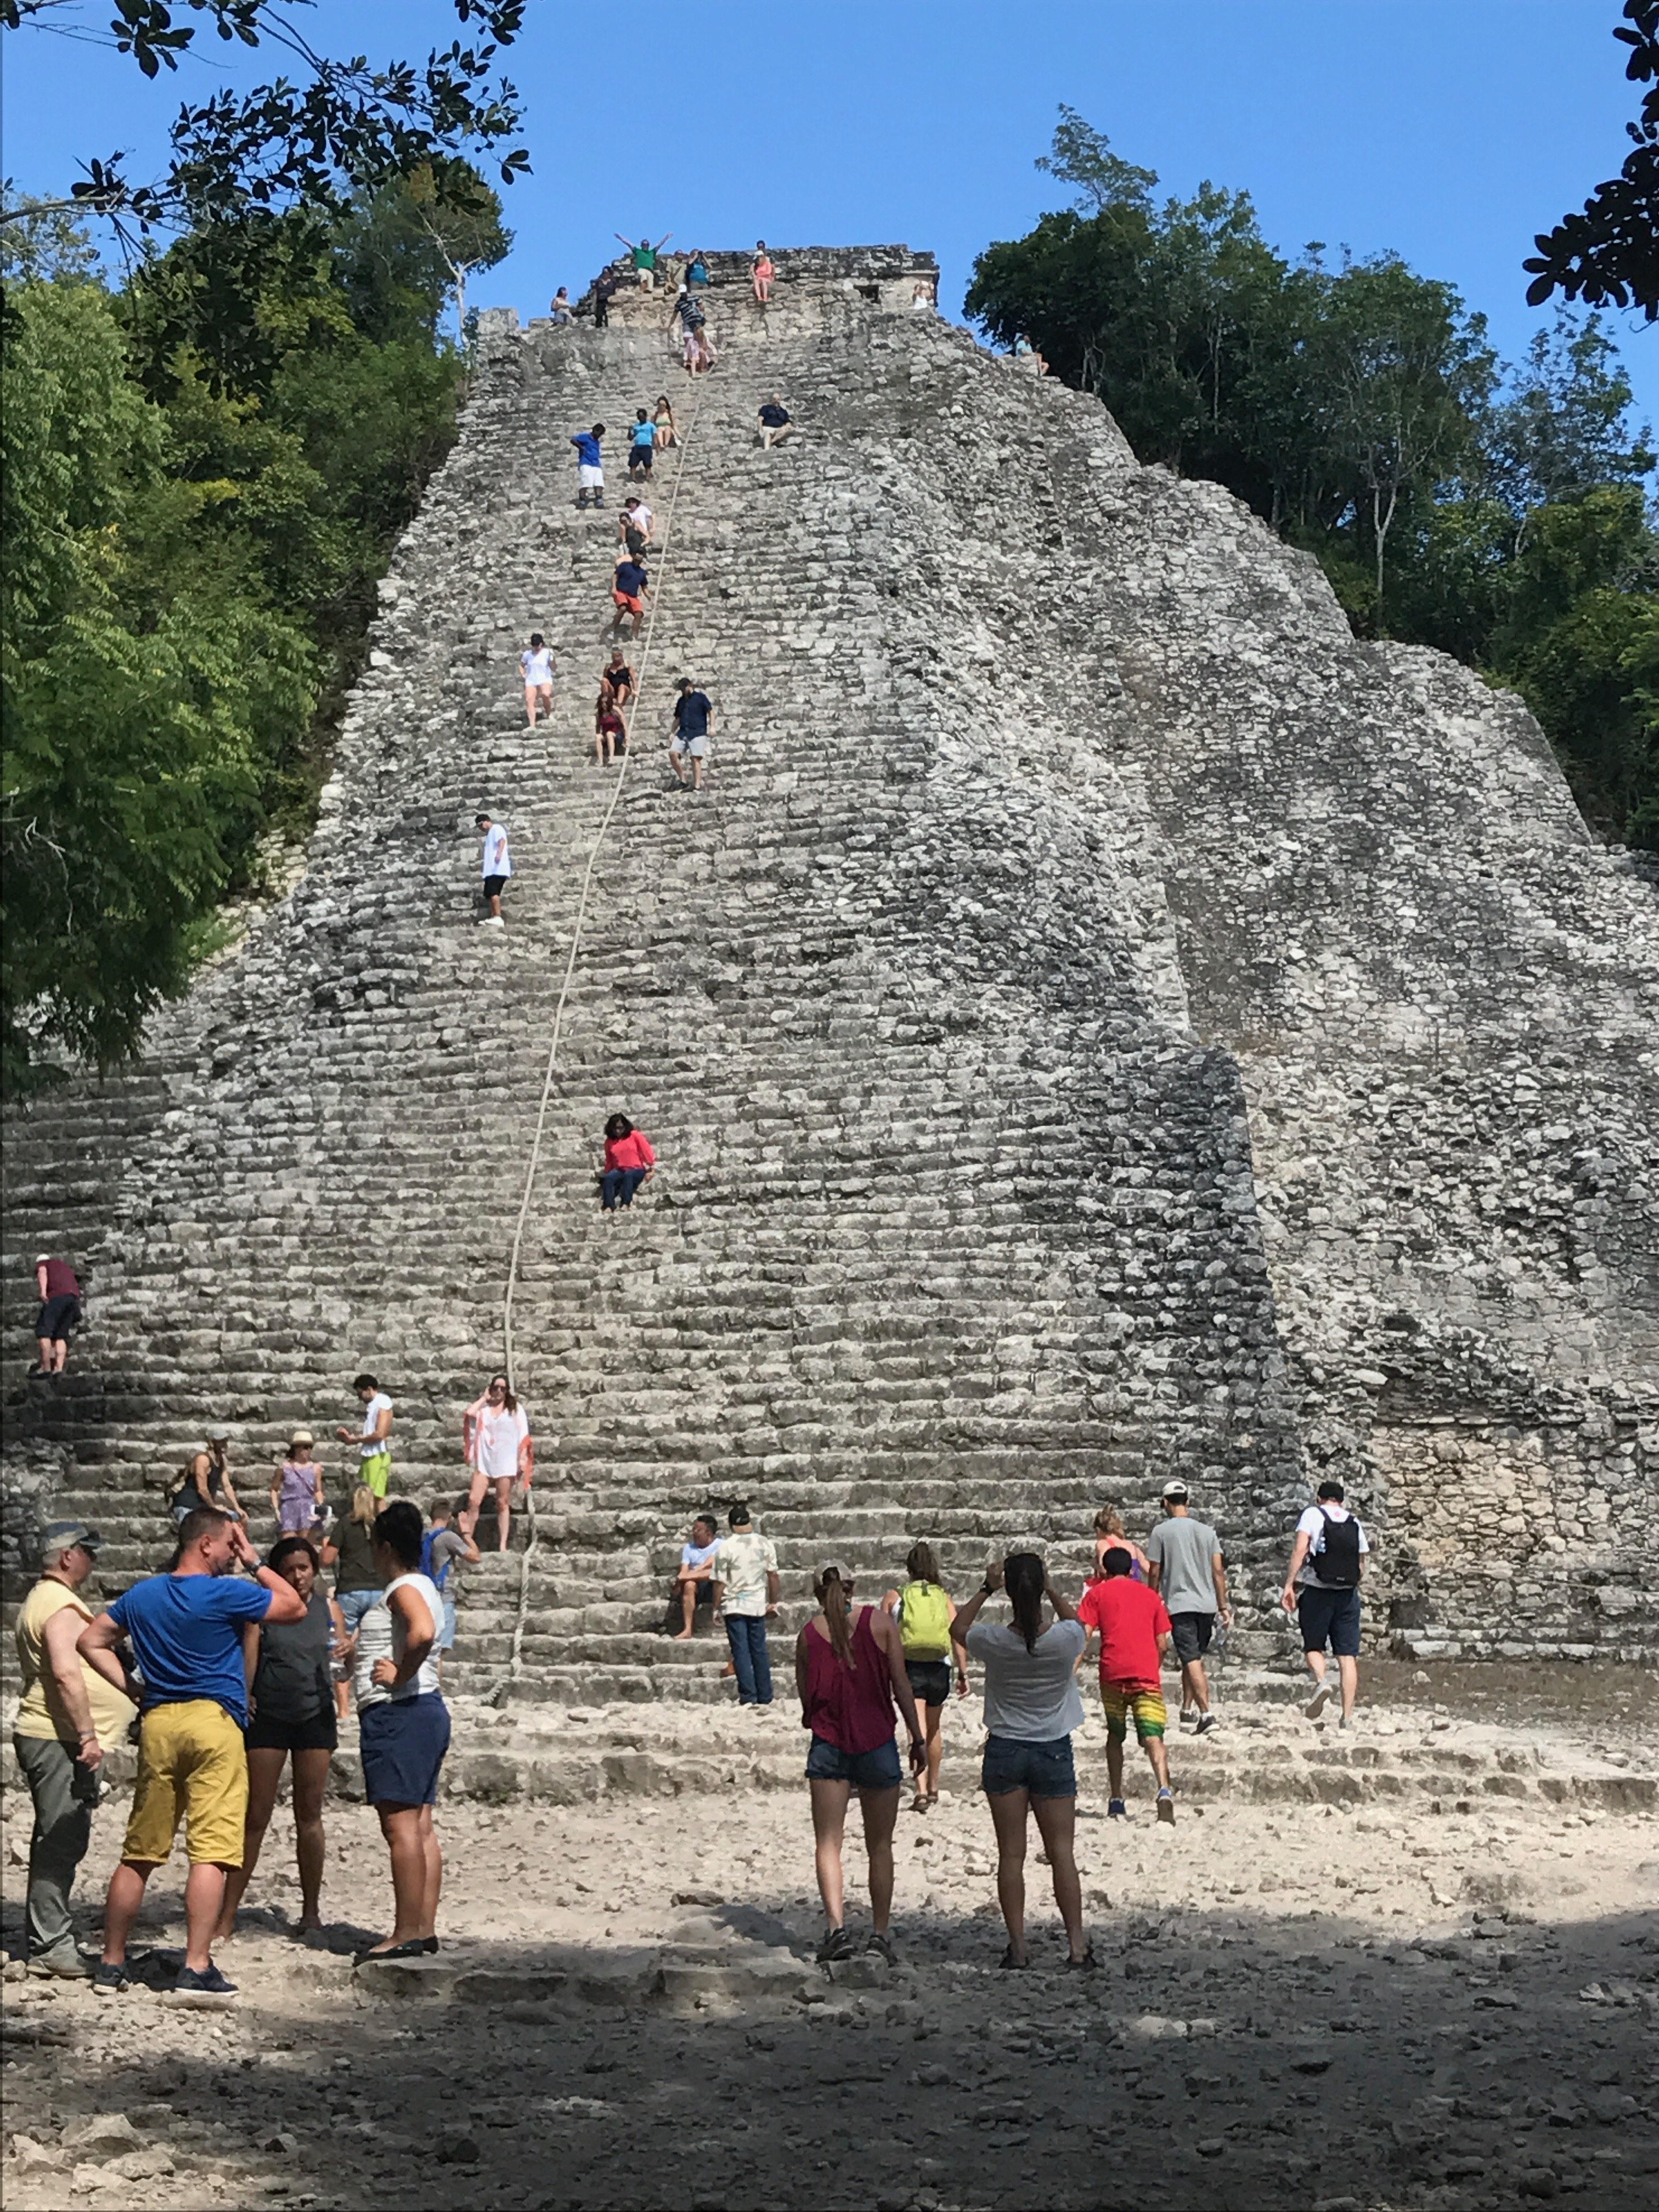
(849, 1671)
(1031, 1705)
(924, 1610)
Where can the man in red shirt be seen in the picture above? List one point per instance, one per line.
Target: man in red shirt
(1135, 1639)
(59, 1315)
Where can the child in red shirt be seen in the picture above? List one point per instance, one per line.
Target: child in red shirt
(1134, 1638)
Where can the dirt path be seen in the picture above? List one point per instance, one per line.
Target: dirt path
(1372, 2006)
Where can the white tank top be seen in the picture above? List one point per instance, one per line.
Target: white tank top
(381, 1634)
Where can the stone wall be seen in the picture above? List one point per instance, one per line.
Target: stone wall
(1103, 1022)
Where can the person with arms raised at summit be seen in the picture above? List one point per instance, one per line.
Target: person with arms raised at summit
(1322, 1588)
(69, 1716)
(694, 729)
(374, 1439)
(495, 867)
(186, 1629)
(58, 1288)
(628, 589)
(746, 1588)
(1189, 1575)
(1133, 1628)
(643, 256)
(1031, 1707)
(589, 467)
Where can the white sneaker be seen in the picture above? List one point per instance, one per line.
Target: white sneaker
(1316, 1704)
(494, 921)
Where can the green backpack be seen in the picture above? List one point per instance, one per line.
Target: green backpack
(924, 1621)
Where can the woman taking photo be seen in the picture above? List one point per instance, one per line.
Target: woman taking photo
(292, 1716)
(849, 1674)
(1031, 1705)
(924, 1613)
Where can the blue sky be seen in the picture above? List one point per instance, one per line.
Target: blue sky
(1449, 130)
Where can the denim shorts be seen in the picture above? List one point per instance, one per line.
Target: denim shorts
(866, 1770)
(1044, 1770)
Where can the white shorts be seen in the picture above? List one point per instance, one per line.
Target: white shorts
(588, 478)
(691, 748)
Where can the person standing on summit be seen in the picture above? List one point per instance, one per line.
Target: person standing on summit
(644, 257)
(496, 866)
(589, 467)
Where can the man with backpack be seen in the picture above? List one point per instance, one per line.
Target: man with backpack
(1322, 1588)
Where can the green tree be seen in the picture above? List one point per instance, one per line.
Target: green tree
(132, 738)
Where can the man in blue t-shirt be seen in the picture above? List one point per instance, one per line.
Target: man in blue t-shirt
(186, 1629)
(590, 467)
(694, 723)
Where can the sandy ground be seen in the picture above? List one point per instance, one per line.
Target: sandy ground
(1367, 2006)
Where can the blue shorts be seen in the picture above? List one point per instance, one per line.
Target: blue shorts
(353, 1605)
(403, 1744)
(1329, 1616)
(1044, 1770)
(866, 1770)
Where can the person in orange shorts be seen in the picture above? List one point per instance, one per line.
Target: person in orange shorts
(1134, 1635)
(186, 1629)
(628, 588)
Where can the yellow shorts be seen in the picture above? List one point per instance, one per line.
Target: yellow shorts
(1121, 1701)
(191, 1767)
(376, 1471)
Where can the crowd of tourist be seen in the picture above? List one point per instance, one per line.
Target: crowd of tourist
(236, 1667)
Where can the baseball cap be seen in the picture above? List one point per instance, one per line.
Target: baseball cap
(57, 1536)
(218, 1434)
(1178, 1489)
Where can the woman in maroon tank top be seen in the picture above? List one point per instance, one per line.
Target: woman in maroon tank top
(849, 1673)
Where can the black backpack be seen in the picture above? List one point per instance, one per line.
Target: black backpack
(1339, 1562)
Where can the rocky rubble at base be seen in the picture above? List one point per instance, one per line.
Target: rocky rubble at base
(1374, 2005)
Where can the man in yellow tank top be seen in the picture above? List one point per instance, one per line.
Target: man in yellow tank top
(69, 1717)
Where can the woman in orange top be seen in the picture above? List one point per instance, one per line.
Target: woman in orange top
(628, 1162)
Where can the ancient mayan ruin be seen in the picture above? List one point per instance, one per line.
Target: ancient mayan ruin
(1101, 1023)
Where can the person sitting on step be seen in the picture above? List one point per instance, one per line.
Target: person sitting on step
(630, 1162)
(610, 733)
(775, 422)
(617, 679)
(694, 1584)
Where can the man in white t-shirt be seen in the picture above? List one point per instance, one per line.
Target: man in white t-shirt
(496, 864)
(374, 1439)
(496, 1444)
(1322, 1588)
(694, 1585)
(746, 1588)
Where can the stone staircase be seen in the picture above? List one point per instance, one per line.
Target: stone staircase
(956, 1229)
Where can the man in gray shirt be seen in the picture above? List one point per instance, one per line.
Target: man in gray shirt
(1187, 1574)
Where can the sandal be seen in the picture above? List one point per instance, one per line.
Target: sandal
(1088, 1963)
(415, 1949)
(920, 1802)
(837, 1944)
(1008, 1959)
